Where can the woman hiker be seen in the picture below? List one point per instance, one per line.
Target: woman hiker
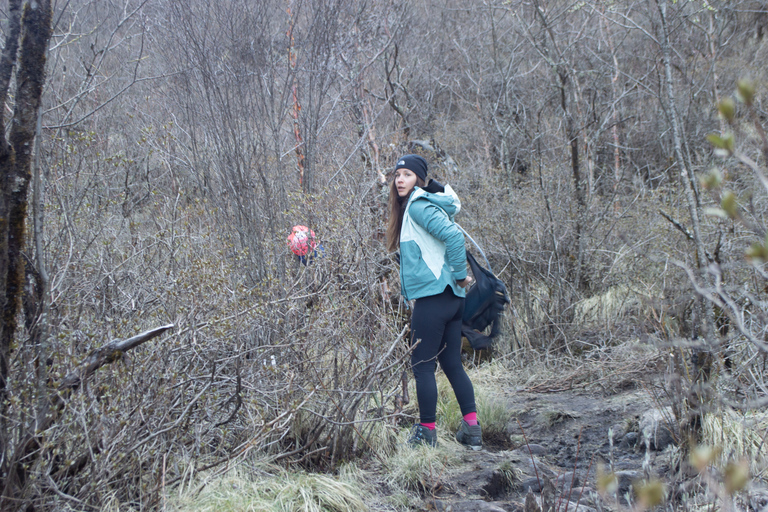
(433, 272)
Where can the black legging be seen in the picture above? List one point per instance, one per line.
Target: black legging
(436, 321)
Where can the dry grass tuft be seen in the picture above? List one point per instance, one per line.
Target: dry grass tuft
(609, 369)
(420, 468)
(488, 381)
(738, 436)
(279, 492)
(607, 308)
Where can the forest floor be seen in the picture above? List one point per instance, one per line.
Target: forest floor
(588, 440)
(597, 434)
(567, 438)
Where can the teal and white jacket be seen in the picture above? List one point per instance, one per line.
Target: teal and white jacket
(432, 254)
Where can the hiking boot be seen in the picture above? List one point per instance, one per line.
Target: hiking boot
(422, 435)
(470, 435)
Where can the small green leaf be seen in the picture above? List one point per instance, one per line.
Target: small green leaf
(727, 109)
(715, 140)
(729, 204)
(757, 253)
(725, 142)
(736, 476)
(712, 180)
(746, 91)
(651, 493)
(729, 142)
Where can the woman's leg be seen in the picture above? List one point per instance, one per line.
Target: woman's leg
(450, 361)
(428, 323)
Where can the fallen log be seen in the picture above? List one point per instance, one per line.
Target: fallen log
(107, 354)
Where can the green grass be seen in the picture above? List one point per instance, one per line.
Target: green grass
(402, 501)
(511, 473)
(492, 411)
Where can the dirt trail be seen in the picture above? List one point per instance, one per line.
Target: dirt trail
(603, 418)
(567, 437)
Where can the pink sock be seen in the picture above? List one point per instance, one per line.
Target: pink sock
(471, 418)
(430, 426)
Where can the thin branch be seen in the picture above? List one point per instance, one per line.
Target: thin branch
(109, 353)
(679, 226)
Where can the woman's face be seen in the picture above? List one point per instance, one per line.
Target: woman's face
(405, 180)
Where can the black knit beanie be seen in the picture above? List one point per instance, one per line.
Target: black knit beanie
(414, 163)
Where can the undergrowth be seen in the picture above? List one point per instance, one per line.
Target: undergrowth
(279, 491)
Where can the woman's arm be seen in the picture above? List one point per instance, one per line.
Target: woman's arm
(436, 222)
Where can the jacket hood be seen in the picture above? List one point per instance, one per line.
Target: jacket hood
(439, 195)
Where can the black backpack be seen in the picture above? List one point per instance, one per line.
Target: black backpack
(485, 301)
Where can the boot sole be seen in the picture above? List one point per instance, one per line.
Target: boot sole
(475, 447)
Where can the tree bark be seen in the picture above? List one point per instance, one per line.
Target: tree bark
(29, 57)
(702, 359)
(685, 173)
(567, 81)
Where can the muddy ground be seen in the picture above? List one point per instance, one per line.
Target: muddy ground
(570, 437)
(558, 436)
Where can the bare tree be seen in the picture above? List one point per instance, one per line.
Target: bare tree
(24, 53)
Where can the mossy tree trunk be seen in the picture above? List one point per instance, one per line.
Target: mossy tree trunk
(26, 46)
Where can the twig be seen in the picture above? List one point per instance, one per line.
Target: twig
(109, 353)
(30, 447)
(238, 403)
(573, 476)
(306, 445)
(557, 477)
(163, 480)
(667, 420)
(535, 469)
(304, 457)
(176, 423)
(549, 386)
(67, 496)
(679, 226)
(591, 460)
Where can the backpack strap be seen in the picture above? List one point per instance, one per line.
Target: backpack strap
(475, 244)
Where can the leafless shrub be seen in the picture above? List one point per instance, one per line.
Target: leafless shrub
(169, 179)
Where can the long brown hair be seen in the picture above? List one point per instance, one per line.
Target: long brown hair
(396, 209)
